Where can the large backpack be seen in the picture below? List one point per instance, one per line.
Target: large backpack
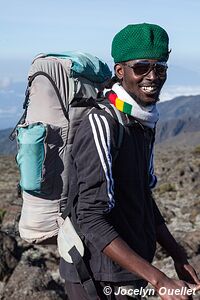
(62, 89)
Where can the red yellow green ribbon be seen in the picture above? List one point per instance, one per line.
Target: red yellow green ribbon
(120, 104)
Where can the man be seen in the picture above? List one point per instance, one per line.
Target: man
(115, 211)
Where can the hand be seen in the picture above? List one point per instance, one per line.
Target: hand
(172, 289)
(186, 272)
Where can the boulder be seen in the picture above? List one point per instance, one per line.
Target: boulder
(9, 255)
(29, 282)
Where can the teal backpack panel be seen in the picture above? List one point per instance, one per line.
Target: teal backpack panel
(86, 65)
(31, 155)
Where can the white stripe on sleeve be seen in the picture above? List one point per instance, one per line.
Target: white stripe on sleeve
(104, 150)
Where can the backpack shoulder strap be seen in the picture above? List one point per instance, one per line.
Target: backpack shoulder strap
(117, 115)
(85, 278)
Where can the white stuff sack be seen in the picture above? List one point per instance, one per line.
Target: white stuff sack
(39, 217)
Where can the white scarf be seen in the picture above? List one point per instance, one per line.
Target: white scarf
(146, 115)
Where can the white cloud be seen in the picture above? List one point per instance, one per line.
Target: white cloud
(8, 112)
(5, 82)
(7, 92)
(171, 91)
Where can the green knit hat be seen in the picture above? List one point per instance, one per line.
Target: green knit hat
(140, 41)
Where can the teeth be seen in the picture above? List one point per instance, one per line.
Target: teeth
(148, 88)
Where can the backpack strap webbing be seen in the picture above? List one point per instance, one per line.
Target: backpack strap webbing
(31, 78)
(116, 114)
(84, 276)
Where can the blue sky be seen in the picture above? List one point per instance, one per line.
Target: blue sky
(30, 27)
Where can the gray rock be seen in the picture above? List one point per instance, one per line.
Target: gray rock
(29, 282)
(11, 219)
(9, 255)
(191, 242)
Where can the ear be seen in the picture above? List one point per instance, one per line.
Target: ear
(119, 71)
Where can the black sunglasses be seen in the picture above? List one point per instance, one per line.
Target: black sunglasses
(142, 68)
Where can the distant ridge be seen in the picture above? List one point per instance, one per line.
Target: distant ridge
(180, 107)
(7, 147)
(179, 125)
(179, 122)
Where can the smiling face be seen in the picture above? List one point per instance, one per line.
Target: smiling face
(145, 88)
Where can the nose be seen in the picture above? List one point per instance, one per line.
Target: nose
(152, 74)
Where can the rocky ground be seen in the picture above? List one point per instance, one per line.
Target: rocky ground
(178, 197)
(31, 272)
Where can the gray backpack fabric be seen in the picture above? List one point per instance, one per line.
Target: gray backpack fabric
(46, 132)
